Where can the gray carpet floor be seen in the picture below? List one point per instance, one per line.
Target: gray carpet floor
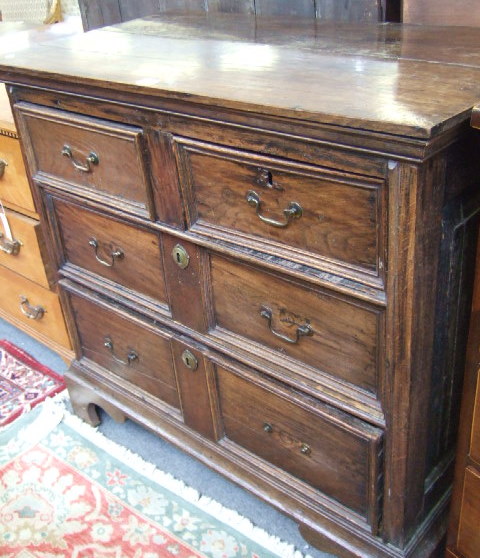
(168, 458)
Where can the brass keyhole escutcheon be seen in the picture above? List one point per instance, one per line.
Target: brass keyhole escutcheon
(180, 256)
(190, 360)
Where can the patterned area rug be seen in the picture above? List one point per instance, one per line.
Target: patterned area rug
(67, 491)
(24, 382)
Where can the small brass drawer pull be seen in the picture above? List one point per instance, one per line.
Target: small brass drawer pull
(11, 247)
(32, 312)
(131, 355)
(293, 211)
(190, 360)
(3, 164)
(117, 254)
(301, 331)
(91, 159)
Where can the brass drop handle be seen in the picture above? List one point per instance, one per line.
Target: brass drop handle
(305, 449)
(3, 164)
(91, 159)
(131, 355)
(10, 247)
(32, 312)
(293, 211)
(302, 330)
(117, 254)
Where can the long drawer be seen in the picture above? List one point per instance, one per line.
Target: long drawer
(329, 450)
(36, 307)
(336, 335)
(24, 252)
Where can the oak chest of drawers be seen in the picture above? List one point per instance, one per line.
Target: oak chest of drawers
(262, 239)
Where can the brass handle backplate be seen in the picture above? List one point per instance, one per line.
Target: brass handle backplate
(131, 355)
(303, 330)
(91, 159)
(32, 312)
(3, 164)
(116, 254)
(10, 247)
(293, 211)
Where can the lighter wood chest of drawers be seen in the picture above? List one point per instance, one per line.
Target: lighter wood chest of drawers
(28, 298)
(278, 288)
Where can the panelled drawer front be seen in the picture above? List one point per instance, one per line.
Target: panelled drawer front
(337, 335)
(23, 253)
(127, 349)
(468, 542)
(14, 187)
(119, 252)
(309, 214)
(33, 305)
(104, 157)
(329, 450)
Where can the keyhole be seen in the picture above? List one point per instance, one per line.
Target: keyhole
(180, 256)
(189, 360)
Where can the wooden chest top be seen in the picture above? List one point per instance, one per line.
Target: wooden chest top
(404, 80)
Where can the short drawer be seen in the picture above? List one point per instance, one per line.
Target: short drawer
(106, 158)
(310, 215)
(14, 187)
(130, 351)
(331, 451)
(24, 252)
(336, 335)
(117, 251)
(28, 303)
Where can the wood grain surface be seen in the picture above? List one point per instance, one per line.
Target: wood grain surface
(300, 69)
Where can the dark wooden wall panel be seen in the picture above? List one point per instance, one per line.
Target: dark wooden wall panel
(304, 8)
(182, 6)
(97, 13)
(138, 8)
(232, 6)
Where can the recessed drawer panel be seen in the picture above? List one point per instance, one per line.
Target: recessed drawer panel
(23, 253)
(127, 349)
(310, 215)
(103, 157)
(122, 253)
(14, 187)
(335, 453)
(33, 305)
(334, 334)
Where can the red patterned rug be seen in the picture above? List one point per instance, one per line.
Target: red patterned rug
(24, 382)
(66, 491)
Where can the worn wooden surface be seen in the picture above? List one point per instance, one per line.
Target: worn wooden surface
(441, 12)
(292, 69)
(97, 13)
